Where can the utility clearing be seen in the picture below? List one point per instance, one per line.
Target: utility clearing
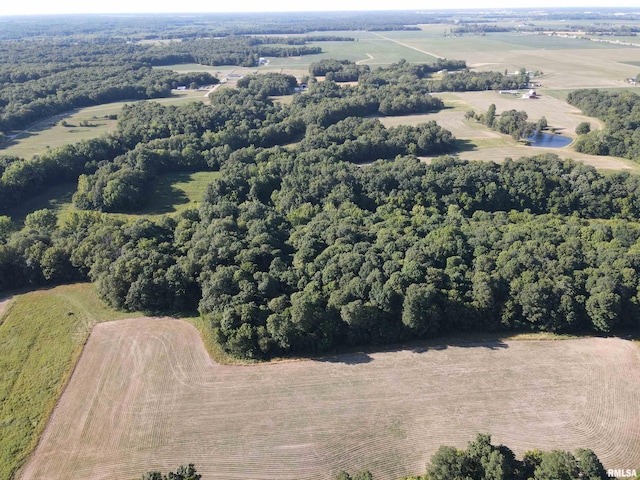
(145, 395)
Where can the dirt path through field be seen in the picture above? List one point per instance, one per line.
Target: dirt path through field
(407, 45)
(145, 395)
(368, 59)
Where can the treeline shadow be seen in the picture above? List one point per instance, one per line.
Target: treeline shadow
(345, 356)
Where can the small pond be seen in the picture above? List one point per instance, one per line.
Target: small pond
(549, 140)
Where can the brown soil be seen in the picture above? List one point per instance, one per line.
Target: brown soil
(146, 396)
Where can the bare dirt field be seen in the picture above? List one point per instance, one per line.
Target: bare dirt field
(145, 395)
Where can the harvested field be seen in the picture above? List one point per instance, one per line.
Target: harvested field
(145, 395)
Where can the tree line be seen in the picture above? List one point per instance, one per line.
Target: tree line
(620, 112)
(300, 253)
(243, 51)
(480, 460)
(511, 122)
(208, 25)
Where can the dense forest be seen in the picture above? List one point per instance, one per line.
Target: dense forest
(302, 253)
(324, 229)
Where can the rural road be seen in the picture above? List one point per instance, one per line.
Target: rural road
(215, 87)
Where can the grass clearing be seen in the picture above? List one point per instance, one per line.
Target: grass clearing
(172, 194)
(57, 198)
(41, 337)
(478, 143)
(146, 396)
(82, 124)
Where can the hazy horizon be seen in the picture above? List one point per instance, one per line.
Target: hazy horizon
(42, 7)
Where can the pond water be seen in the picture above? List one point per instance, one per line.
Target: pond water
(549, 140)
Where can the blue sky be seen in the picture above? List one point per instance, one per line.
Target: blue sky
(166, 6)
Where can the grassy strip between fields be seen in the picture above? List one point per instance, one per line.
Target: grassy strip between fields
(41, 338)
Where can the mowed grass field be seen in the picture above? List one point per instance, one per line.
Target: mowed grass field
(477, 142)
(146, 395)
(50, 133)
(172, 194)
(42, 334)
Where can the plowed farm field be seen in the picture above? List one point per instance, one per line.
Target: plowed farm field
(145, 395)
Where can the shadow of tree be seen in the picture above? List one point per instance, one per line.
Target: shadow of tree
(463, 145)
(347, 359)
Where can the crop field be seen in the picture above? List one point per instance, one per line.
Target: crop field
(146, 395)
(567, 62)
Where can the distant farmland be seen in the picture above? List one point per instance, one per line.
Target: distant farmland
(145, 395)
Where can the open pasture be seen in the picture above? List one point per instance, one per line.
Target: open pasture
(172, 194)
(81, 124)
(145, 395)
(175, 192)
(480, 143)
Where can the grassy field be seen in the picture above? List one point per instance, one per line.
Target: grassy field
(57, 198)
(42, 334)
(173, 193)
(145, 395)
(50, 133)
(477, 142)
